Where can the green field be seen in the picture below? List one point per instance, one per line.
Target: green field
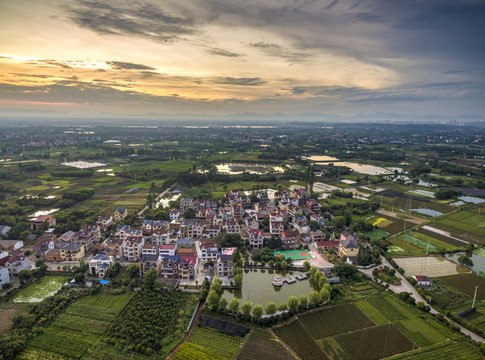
(104, 351)
(377, 234)
(300, 341)
(262, 345)
(442, 238)
(420, 332)
(335, 320)
(401, 247)
(215, 342)
(444, 351)
(390, 308)
(39, 290)
(190, 351)
(373, 343)
(466, 283)
(418, 242)
(372, 312)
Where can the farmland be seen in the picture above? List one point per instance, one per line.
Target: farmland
(7, 313)
(153, 321)
(373, 343)
(466, 283)
(80, 327)
(430, 266)
(448, 351)
(420, 332)
(215, 342)
(390, 308)
(262, 345)
(300, 341)
(335, 320)
(374, 314)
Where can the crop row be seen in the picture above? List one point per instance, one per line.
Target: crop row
(76, 323)
(262, 345)
(297, 338)
(190, 351)
(91, 312)
(468, 217)
(389, 308)
(216, 342)
(441, 237)
(418, 242)
(106, 352)
(335, 320)
(374, 343)
(467, 283)
(372, 312)
(438, 243)
(463, 226)
(107, 301)
(420, 332)
(447, 350)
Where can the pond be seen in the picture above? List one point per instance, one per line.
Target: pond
(38, 291)
(478, 258)
(428, 212)
(259, 169)
(258, 289)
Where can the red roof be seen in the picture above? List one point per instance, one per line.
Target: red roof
(167, 246)
(327, 243)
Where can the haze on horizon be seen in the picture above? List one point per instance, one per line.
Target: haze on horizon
(218, 57)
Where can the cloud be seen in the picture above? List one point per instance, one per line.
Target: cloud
(129, 18)
(276, 50)
(119, 65)
(364, 16)
(239, 81)
(222, 52)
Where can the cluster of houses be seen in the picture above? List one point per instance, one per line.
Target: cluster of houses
(176, 247)
(12, 260)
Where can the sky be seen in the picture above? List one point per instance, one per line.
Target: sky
(220, 57)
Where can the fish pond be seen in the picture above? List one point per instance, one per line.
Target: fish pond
(258, 289)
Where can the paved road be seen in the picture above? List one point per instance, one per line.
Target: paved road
(406, 286)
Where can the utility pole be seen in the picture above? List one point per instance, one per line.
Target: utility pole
(475, 297)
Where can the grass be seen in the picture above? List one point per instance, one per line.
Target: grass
(38, 354)
(335, 320)
(216, 342)
(374, 343)
(401, 247)
(432, 241)
(104, 351)
(372, 312)
(39, 290)
(113, 302)
(420, 332)
(300, 341)
(377, 234)
(466, 283)
(418, 242)
(262, 345)
(442, 238)
(91, 312)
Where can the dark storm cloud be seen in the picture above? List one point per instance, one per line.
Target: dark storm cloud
(136, 18)
(119, 65)
(222, 52)
(238, 81)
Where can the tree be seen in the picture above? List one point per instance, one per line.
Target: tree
(238, 279)
(306, 265)
(234, 306)
(24, 275)
(464, 260)
(190, 213)
(293, 304)
(222, 304)
(270, 308)
(150, 279)
(213, 299)
(282, 307)
(257, 311)
(217, 286)
(132, 270)
(246, 308)
(339, 221)
(79, 278)
(314, 298)
(303, 302)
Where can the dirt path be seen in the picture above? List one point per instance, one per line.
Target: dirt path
(189, 333)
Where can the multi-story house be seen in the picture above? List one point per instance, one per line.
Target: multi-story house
(188, 268)
(237, 210)
(291, 238)
(169, 266)
(256, 238)
(168, 250)
(231, 227)
(104, 221)
(114, 247)
(185, 204)
(174, 214)
(208, 252)
(313, 205)
(132, 247)
(120, 214)
(276, 227)
(17, 261)
(72, 252)
(149, 262)
(317, 235)
(149, 249)
(99, 264)
(225, 264)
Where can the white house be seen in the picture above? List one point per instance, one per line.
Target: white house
(99, 264)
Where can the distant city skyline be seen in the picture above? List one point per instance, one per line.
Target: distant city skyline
(363, 60)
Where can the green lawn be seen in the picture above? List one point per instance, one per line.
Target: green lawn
(38, 291)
